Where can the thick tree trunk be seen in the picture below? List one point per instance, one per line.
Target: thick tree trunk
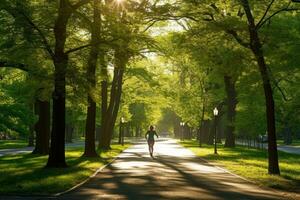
(104, 94)
(115, 97)
(256, 48)
(91, 77)
(231, 105)
(113, 109)
(104, 136)
(89, 150)
(60, 59)
(42, 127)
(57, 148)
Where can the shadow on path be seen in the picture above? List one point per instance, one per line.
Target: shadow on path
(174, 173)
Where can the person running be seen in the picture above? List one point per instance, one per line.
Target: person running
(150, 139)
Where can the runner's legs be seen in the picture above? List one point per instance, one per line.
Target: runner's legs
(150, 145)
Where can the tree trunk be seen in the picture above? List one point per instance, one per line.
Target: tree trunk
(91, 77)
(31, 136)
(137, 128)
(205, 132)
(120, 133)
(176, 127)
(113, 108)
(201, 131)
(89, 150)
(42, 127)
(287, 134)
(69, 133)
(60, 59)
(104, 136)
(116, 106)
(211, 132)
(104, 94)
(256, 48)
(231, 105)
(31, 129)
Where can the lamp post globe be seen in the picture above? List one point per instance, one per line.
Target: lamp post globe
(216, 111)
(181, 125)
(122, 130)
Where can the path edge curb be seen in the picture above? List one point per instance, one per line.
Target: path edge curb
(290, 195)
(88, 178)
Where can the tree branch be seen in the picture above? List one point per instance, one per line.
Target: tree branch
(237, 38)
(40, 33)
(265, 14)
(276, 84)
(21, 66)
(286, 9)
(85, 18)
(106, 42)
(78, 48)
(80, 3)
(14, 12)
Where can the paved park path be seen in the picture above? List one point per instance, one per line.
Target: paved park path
(5, 152)
(174, 173)
(284, 148)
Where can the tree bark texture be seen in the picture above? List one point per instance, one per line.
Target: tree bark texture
(60, 59)
(104, 94)
(231, 112)
(90, 130)
(256, 48)
(114, 103)
(42, 127)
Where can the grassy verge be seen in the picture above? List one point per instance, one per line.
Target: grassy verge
(13, 144)
(252, 164)
(294, 143)
(25, 173)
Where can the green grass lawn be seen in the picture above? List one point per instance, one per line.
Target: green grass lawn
(25, 173)
(13, 144)
(252, 164)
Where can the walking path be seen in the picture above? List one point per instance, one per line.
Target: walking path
(289, 149)
(4, 152)
(284, 148)
(174, 173)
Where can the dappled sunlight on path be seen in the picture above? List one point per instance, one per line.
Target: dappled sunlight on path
(173, 173)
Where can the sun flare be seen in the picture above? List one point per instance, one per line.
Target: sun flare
(119, 1)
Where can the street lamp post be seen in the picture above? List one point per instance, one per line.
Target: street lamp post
(199, 135)
(215, 116)
(121, 131)
(181, 125)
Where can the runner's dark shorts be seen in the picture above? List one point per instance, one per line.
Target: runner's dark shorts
(151, 142)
